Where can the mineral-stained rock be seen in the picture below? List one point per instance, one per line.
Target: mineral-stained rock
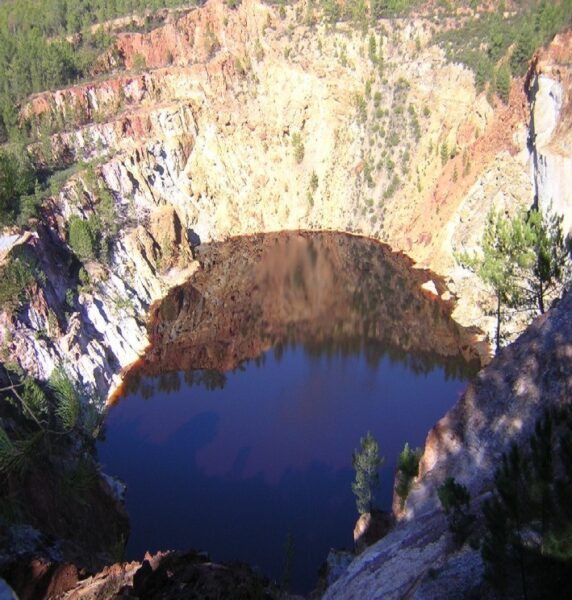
(204, 135)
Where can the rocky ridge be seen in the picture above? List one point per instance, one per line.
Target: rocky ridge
(246, 122)
(201, 145)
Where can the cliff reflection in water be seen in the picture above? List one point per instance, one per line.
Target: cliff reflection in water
(330, 293)
(346, 342)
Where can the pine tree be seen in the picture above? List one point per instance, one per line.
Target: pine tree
(496, 266)
(550, 255)
(67, 400)
(455, 500)
(407, 470)
(366, 464)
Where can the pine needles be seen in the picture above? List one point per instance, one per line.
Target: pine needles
(67, 401)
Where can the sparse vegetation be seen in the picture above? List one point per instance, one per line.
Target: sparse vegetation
(139, 62)
(298, 147)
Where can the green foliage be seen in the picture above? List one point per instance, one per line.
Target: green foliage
(527, 547)
(17, 179)
(503, 81)
(542, 239)
(314, 182)
(531, 26)
(9, 454)
(524, 261)
(444, 153)
(16, 277)
(407, 470)
(139, 62)
(366, 464)
(332, 10)
(35, 401)
(17, 457)
(361, 107)
(79, 480)
(357, 13)
(372, 48)
(497, 265)
(82, 238)
(455, 500)
(66, 397)
(388, 8)
(298, 147)
(36, 53)
(453, 496)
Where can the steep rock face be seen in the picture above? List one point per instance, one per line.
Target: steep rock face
(100, 329)
(551, 127)
(247, 122)
(499, 408)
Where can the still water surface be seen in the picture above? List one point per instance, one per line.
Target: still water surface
(266, 369)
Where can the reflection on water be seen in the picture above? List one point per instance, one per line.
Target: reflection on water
(330, 293)
(264, 372)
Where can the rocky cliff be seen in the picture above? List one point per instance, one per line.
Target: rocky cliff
(228, 122)
(418, 558)
(249, 120)
(551, 137)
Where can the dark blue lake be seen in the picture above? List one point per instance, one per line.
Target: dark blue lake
(238, 427)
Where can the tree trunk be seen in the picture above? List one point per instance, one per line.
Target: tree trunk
(498, 323)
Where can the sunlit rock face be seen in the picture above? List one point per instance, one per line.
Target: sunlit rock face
(207, 131)
(551, 127)
(328, 292)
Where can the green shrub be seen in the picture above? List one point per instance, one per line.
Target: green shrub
(15, 280)
(139, 62)
(82, 238)
(366, 463)
(407, 470)
(444, 152)
(455, 500)
(17, 179)
(298, 147)
(314, 182)
(503, 81)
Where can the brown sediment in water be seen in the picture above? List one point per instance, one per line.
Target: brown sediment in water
(330, 292)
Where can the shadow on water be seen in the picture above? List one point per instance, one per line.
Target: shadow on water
(263, 372)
